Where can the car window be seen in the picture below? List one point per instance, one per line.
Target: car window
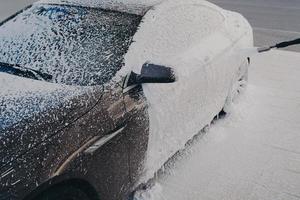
(171, 32)
(75, 45)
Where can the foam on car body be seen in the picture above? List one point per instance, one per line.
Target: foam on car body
(194, 37)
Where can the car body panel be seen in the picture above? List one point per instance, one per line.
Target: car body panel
(47, 158)
(36, 111)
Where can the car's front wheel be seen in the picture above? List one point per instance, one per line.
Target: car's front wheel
(64, 193)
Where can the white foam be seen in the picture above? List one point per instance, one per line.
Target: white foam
(199, 40)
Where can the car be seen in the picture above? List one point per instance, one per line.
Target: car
(97, 95)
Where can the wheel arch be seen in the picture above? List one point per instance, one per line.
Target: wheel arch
(61, 181)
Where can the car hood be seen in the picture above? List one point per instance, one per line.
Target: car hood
(32, 111)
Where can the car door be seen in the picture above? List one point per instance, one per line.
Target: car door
(171, 35)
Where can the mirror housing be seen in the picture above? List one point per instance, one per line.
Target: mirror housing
(151, 73)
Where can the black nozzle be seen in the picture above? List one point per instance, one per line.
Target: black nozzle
(287, 44)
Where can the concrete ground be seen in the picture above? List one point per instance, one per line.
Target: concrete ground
(9, 7)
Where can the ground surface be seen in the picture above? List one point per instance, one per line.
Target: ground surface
(253, 153)
(9, 7)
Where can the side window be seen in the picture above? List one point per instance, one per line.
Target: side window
(166, 33)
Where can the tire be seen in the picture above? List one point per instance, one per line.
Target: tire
(63, 193)
(238, 87)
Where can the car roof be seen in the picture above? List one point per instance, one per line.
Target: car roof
(138, 7)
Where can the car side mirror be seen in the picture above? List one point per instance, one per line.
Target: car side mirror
(151, 73)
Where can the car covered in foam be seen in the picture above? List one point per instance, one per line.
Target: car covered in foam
(82, 113)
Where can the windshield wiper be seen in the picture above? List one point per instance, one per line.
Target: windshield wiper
(24, 72)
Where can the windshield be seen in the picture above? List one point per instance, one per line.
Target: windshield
(75, 45)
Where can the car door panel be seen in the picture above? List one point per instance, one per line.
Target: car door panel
(179, 110)
(137, 131)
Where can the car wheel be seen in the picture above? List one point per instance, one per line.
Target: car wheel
(63, 193)
(238, 87)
